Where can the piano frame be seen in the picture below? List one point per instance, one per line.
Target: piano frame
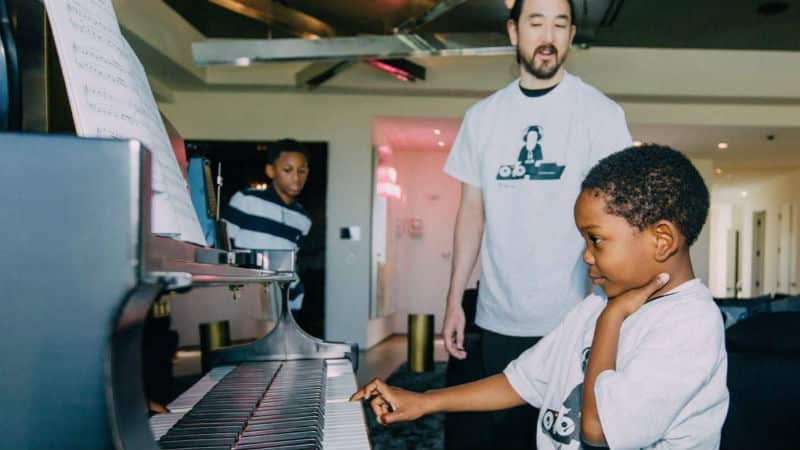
(83, 270)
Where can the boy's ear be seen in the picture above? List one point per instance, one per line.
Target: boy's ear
(667, 239)
(269, 169)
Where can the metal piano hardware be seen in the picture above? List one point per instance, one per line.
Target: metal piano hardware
(73, 329)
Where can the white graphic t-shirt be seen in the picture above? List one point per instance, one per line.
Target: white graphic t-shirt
(529, 155)
(668, 390)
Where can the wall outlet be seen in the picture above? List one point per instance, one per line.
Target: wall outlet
(351, 233)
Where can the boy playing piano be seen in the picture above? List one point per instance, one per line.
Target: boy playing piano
(640, 364)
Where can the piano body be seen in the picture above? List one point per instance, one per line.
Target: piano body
(79, 270)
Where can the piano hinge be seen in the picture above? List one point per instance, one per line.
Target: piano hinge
(171, 280)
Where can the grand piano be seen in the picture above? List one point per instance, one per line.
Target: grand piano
(79, 270)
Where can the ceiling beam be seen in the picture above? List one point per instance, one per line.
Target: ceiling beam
(277, 15)
(313, 75)
(238, 52)
(439, 9)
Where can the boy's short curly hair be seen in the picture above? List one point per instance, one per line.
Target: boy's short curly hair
(650, 183)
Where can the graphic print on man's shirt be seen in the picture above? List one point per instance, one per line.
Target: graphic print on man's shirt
(530, 163)
(564, 425)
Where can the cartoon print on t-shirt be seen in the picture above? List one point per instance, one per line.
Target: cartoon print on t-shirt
(530, 163)
(564, 425)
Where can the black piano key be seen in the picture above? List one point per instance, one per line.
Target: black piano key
(218, 415)
(282, 446)
(256, 435)
(271, 410)
(294, 415)
(197, 443)
(192, 447)
(199, 435)
(210, 423)
(205, 429)
(278, 441)
(309, 423)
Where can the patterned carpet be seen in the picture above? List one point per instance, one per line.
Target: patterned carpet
(426, 433)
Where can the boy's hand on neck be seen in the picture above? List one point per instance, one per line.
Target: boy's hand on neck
(631, 300)
(603, 355)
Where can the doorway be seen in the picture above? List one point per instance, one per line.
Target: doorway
(414, 208)
(759, 238)
(732, 276)
(243, 167)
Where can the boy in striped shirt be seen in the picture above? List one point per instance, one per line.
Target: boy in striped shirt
(273, 219)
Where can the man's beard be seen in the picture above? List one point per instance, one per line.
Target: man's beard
(543, 72)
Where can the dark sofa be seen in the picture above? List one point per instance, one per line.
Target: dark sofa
(764, 376)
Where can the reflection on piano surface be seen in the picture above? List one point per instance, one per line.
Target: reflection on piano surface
(84, 269)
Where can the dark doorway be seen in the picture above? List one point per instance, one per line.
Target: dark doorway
(243, 167)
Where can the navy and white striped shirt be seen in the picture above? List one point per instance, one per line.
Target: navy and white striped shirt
(260, 220)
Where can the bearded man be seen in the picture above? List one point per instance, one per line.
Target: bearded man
(530, 252)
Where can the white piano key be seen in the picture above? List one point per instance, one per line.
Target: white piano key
(188, 399)
(161, 423)
(345, 426)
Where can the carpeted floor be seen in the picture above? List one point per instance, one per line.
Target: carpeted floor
(426, 433)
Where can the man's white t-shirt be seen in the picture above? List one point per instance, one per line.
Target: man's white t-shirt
(668, 390)
(529, 155)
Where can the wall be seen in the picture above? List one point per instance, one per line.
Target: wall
(768, 195)
(423, 262)
(700, 251)
(719, 224)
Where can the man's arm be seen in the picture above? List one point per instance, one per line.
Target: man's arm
(466, 246)
(392, 404)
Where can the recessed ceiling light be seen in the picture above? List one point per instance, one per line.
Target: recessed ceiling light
(722, 145)
(718, 171)
(772, 8)
(744, 194)
(440, 143)
(437, 131)
(637, 143)
(242, 62)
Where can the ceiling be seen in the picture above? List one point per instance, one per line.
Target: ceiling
(680, 24)
(752, 153)
(709, 24)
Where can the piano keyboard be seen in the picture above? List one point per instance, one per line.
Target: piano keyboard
(290, 405)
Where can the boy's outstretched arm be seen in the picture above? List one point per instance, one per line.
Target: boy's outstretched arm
(392, 404)
(604, 352)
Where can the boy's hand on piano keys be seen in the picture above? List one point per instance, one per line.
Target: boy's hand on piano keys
(391, 404)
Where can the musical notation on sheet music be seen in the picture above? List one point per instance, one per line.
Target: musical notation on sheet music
(110, 97)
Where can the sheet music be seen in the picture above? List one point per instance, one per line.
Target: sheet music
(110, 97)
